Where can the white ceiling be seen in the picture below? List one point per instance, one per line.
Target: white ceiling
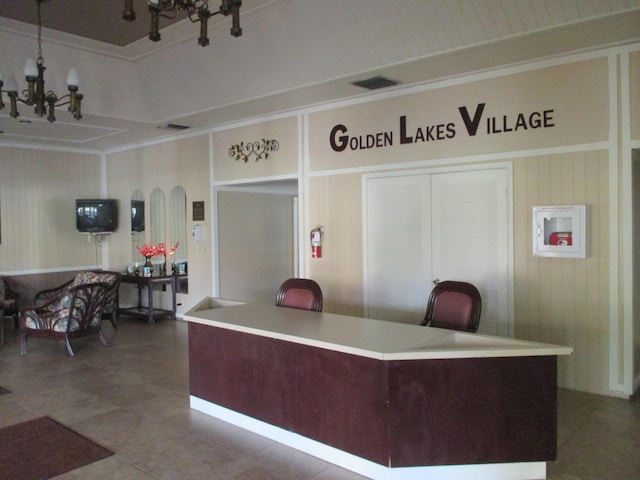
(292, 53)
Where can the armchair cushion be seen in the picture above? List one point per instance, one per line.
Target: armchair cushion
(112, 280)
(53, 315)
(93, 277)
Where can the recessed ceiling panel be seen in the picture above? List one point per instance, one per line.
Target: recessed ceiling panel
(99, 20)
(39, 130)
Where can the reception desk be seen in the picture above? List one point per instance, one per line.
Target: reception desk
(386, 400)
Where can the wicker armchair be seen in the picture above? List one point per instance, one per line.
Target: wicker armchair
(112, 279)
(75, 312)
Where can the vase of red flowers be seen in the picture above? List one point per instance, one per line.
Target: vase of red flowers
(147, 251)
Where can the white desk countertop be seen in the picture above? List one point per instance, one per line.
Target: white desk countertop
(360, 336)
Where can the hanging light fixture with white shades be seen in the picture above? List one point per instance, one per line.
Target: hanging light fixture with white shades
(36, 94)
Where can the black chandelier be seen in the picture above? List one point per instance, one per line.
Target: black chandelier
(36, 95)
(197, 10)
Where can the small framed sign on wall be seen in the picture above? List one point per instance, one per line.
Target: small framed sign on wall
(198, 211)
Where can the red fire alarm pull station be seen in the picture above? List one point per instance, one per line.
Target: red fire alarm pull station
(316, 242)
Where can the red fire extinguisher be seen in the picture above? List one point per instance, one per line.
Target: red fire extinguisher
(316, 242)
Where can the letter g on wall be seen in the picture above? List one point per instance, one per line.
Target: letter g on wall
(339, 142)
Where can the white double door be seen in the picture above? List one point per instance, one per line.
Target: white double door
(429, 227)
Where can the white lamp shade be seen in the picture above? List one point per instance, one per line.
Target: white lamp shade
(11, 85)
(72, 78)
(30, 68)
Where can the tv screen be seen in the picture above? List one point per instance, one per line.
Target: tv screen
(96, 215)
(137, 215)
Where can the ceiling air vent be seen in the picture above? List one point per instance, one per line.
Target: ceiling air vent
(173, 126)
(374, 83)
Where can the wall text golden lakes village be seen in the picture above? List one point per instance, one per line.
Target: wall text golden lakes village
(491, 125)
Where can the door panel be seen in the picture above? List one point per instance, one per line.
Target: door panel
(446, 226)
(469, 238)
(255, 244)
(398, 249)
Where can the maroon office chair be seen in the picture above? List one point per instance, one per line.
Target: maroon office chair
(454, 305)
(302, 293)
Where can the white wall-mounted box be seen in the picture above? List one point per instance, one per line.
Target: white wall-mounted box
(559, 231)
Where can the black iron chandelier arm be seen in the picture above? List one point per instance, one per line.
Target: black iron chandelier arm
(202, 15)
(197, 11)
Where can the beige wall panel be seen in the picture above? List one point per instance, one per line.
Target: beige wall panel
(560, 300)
(577, 93)
(636, 263)
(634, 93)
(336, 204)
(181, 162)
(282, 162)
(38, 190)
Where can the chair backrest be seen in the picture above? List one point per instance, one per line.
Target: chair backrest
(87, 301)
(302, 293)
(112, 279)
(454, 305)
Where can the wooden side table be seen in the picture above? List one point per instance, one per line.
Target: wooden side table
(149, 311)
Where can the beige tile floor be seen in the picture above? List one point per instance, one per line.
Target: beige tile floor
(132, 397)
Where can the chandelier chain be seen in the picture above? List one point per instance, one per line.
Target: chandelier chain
(40, 58)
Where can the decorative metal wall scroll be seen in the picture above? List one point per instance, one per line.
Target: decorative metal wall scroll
(260, 149)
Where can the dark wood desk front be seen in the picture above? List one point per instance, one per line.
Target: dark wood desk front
(401, 396)
(149, 311)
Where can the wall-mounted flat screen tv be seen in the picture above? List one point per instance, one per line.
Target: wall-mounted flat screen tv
(96, 215)
(137, 215)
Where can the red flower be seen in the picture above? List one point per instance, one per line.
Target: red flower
(148, 250)
(160, 249)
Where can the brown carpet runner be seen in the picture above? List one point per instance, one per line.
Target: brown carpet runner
(42, 448)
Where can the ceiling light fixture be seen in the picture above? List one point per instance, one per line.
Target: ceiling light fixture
(36, 95)
(197, 10)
